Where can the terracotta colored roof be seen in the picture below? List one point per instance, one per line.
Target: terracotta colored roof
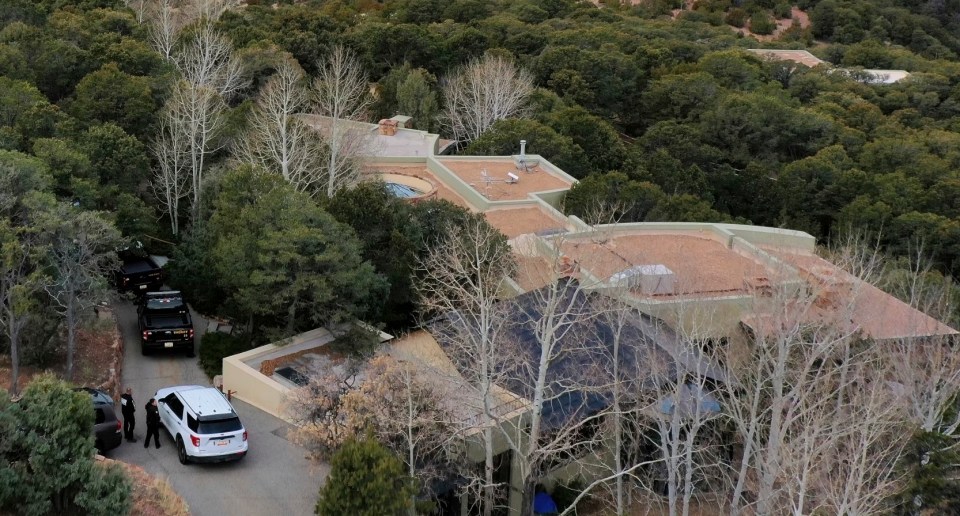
(700, 265)
(514, 222)
(471, 172)
(798, 56)
(421, 350)
(879, 315)
(533, 272)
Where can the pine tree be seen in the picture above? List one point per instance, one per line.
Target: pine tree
(365, 480)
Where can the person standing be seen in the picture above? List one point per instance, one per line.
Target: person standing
(153, 423)
(129, 419)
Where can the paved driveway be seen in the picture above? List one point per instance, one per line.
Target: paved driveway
(274, 477)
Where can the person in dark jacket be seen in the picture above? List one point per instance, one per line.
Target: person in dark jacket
(153, 423)
(129, 419)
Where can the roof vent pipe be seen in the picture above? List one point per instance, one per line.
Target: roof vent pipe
(523, 149)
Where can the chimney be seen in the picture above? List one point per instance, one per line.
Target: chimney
(523, 149)
(387, 127)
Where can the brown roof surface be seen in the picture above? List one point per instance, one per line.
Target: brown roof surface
(519, 221)
(533, 272)
(421, 350)
(537, 180)
(421, 171)
(878, 314)
(700, 265)
(797, 56)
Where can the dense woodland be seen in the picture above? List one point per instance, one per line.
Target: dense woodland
(668, 118)
(662, 118)
(656, 108)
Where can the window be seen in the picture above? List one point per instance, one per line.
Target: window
(176, 406)
(165, 303)
(100, 416)
(220, 426)
(192, 423)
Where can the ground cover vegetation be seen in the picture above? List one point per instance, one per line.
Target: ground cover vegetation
(173, 123)
(47, 461)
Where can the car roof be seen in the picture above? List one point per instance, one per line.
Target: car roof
(206, 402)
(99, 397)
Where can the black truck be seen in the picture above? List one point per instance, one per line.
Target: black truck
(165, 322)
(138, 272)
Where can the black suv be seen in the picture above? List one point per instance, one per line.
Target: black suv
(138, 272)
(106, 427)
(165, 322)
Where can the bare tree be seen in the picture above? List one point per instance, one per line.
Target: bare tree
(278, 140)
(408, 414)
(166, 22)
(461, 280)
(630, 359)
(485, 90)
(81, 253)
(387, 397)
(561, 424)
(206, 61)
(193, 120)
(172, 177)
(210, 10)
(808, 399)
(858, 472)
(317, 408)
(928, 369)
(139, 8)
(341, 93)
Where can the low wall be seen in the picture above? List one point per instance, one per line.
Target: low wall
(786, 239)
(251, 386)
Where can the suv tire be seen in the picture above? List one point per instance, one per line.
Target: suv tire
(182, 452)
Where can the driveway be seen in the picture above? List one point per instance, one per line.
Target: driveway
(274, 478)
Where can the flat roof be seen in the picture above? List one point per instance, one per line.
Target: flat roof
(798, 56)
(533, 272)
(537, 179)
(700, 264)
(403, 143)
(879, 315)
(423, 353)
(514, 222)
(888, 76)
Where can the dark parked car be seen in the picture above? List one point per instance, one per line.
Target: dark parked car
(138, 272)
(165, 322)
(106, 427)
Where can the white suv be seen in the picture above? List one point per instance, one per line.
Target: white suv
(203, 423)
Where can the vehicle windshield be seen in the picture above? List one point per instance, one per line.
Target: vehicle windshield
(220, 426)
(165, 303)
(167, 321)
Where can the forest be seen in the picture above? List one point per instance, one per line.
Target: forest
(152, 121)
(657, 108)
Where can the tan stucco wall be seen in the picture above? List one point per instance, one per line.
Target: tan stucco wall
(250, 386)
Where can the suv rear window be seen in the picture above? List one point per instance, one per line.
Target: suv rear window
(165, 303)
(220, 426)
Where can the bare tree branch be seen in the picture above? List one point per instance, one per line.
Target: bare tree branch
(279, 141)
(341, 93)
(483, 91)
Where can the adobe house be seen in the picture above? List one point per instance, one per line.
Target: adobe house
(701, 280)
